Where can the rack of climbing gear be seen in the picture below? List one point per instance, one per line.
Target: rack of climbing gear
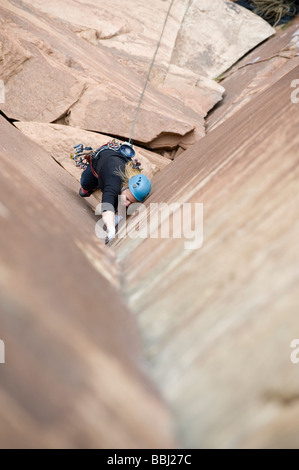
(136, 165)
(113, 144)
(82, 155)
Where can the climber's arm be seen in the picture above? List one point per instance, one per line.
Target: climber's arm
(108, 219)
(111, 192)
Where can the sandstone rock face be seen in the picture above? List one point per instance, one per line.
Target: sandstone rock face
(61, 77)
(72, 377)
(34, 88)
(98, 111)
(197, 92)
(130, 29)
(256, 72)
(217, 317)
(201, 36)
(214, 35)
(218, 321)
(59, 140)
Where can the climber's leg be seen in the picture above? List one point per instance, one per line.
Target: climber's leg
(88, 181)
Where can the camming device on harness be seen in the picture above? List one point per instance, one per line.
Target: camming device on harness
(84, 156)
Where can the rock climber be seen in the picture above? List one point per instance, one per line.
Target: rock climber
(113, 170)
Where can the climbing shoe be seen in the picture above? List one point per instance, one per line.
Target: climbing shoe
(84, 192)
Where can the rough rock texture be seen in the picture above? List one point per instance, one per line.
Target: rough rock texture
(65, 78)
(201, 36)
(130, 29)
(73, 376)
(214, 35)
(59, 140)
(35, 88)
(57, 76)
(218, 321)
(256, 72)
(197, 92)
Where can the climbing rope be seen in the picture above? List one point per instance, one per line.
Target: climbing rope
(82, 156)
(150, 69)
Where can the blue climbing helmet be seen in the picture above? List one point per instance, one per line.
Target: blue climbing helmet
(127, 150)
(140, 186)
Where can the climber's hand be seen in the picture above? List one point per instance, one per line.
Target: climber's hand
(110, 234)
(136, 164)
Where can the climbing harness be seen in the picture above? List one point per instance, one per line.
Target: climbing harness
(83, 156)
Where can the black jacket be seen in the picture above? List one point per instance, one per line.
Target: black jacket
(105, 164)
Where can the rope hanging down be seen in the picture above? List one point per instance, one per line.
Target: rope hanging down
(150, 69)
